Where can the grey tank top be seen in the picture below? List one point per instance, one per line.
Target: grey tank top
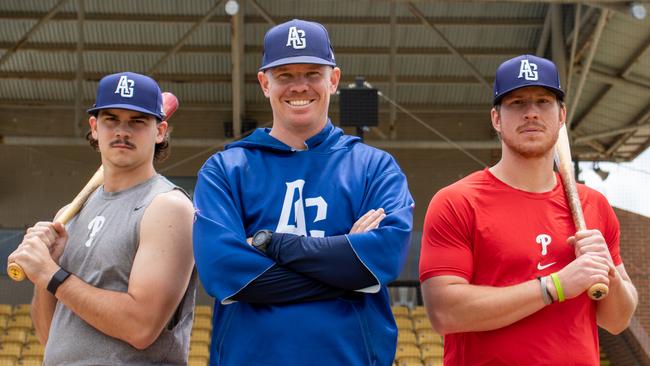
(102, 243)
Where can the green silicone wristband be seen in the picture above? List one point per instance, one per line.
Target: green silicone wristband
(558, 287)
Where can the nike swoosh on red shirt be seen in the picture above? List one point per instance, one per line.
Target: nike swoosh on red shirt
(541, 267)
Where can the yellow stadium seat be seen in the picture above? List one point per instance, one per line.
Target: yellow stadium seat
(199, 350)
(31, 361)
(418, 311)
(406, 337)
(203, 310)
(409, 361)
(403, 323)
(32, 337)
(11, 350)
(20, 322)
(202, 322)
(33, 350)
(407, 350)
(8, 361)
(429, 337)
(200, 336)
(433, 361)
(6, 309)
(14, 335)
(197, 361)
(22, 309)
(431, 350)
(4, 320)
(421, 323)
(399, 310)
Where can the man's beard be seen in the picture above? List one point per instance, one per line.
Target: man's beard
(528, 150)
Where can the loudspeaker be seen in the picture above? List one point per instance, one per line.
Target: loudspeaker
(358, 107)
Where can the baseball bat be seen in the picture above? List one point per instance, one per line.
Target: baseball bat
(565, 167)
(15, 272)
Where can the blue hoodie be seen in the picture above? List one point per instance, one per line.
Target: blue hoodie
(261, 183)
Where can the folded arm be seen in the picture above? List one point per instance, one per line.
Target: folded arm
(281, 285)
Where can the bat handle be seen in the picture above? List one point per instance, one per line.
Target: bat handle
(598, 291)
(15, 272)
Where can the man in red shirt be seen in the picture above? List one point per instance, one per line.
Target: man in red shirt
(504, 274)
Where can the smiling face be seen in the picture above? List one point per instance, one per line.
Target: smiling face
(299, 95)
(126, 138)
(528, 121)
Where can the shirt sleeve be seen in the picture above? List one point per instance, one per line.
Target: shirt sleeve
(330, 260)
(446, 237)
(224, 260)
(282, 285)
(383, 250)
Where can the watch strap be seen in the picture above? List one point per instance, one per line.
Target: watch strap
(57, 279)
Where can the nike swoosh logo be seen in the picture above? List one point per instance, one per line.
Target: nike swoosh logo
(541, 267)
(137, 208)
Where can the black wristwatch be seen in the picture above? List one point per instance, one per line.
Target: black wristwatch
(57, 279)
(262, 239)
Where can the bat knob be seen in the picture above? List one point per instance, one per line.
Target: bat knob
(15, 272)
(598, 291)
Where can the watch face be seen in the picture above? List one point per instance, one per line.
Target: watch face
(260, 238)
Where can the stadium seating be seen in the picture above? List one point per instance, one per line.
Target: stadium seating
(19, 345)
(6, 309)
(417, 343)
(22, 309)
(8, 361)
(203, 310)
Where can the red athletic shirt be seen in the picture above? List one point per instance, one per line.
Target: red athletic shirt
(491, 234)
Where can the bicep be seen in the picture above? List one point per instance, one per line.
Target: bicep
(438, 288)
(163, 263)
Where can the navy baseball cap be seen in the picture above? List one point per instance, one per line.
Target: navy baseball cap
(523, 71)
(128, 90)
(297, 42)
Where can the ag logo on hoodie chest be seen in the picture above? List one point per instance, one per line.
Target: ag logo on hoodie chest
(297, 207)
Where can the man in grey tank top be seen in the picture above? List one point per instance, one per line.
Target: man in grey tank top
(116, 286)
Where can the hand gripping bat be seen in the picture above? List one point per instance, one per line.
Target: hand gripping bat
(170, 104)
(565, 166)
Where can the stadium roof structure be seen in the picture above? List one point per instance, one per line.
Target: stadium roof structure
(434, 59)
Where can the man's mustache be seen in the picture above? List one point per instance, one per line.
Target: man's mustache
(122, 142)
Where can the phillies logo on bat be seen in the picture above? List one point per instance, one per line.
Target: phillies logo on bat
(299, 227)
(125, 87)
(296, 38)
(528, 70)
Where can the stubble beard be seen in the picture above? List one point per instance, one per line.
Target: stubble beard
(530, 151)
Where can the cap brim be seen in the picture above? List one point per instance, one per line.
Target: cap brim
(124, 106)
(298, 60)
(558, 92)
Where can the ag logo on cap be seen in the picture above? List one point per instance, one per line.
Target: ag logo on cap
(528, 70)
(296, 38)
(125, 87)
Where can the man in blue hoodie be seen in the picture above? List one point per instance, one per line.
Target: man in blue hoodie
(299, 228)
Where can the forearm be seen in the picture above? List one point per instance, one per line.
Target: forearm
(462, 307)
(42, 312)
(330, 260)
(281, 285)
(616, 310)
(116, 314)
